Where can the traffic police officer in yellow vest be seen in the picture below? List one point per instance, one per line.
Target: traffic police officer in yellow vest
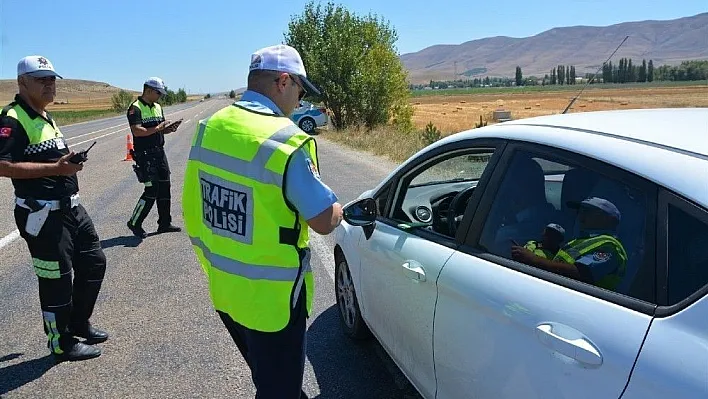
(551, 240)
(148, 125)
(251, 189)
(59, 233)
(596, 256)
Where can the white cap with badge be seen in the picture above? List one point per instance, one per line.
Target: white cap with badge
(36, 66)
(157, 84)
(282, 58)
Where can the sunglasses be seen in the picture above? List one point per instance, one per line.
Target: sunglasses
(303, 92)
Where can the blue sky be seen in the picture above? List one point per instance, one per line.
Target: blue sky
(205, 46)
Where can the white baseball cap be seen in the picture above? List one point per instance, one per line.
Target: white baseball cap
(282, 58)
(36, 66)
(157, 84)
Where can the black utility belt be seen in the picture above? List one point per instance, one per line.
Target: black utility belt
(149, 152)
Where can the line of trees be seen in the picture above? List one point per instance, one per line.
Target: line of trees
(624, 71)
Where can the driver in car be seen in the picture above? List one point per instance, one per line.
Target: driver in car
(551, 239)
(596, 256)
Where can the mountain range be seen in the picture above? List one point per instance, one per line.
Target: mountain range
(586, 47)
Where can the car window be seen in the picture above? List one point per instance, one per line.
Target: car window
(426, 194)
(687, 254)
(382, 199)
(569, 220)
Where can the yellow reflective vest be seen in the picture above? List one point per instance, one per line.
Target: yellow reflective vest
(39, 131)
(579, 247)
(249, 240)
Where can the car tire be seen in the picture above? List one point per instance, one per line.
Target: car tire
(347, 303)
(307, 125)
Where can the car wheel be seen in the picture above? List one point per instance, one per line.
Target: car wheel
(307, 125)
(349, 313)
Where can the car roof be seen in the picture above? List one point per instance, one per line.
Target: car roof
(652, 126)
(666, 146)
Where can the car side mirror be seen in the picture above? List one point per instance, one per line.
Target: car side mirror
(361, 212)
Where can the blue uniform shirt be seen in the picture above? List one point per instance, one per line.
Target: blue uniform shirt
(304, 189)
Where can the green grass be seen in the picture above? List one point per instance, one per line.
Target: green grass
(69, 117)
(537, 89)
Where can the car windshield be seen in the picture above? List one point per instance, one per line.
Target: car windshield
(468, 167)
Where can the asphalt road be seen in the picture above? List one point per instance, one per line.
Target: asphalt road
(166, 340)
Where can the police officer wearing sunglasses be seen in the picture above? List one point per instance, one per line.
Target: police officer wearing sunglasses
(59, 233)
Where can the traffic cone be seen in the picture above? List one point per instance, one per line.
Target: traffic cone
(129, 149)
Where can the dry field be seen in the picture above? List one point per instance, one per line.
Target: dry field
(455, 113)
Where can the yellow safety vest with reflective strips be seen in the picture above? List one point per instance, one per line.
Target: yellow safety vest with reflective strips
(535, 247)
(579, 247)
(150, 114)
(248, 239)
(41, 133)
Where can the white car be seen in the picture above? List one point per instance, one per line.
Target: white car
(424, 259)
(309, 117)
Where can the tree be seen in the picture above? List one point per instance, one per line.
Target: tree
(561, 74)
(567, 76)
(121, 101)
(631, 74)
(650, 71)
(572, 74)
(232, 94)
(519, 76)
(353, 60)
(643, 72)
(554, 79)
(181, 96)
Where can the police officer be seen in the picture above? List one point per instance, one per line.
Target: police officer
(59, 233)
(252, 187)
(548, 246)
(148, 125)
(596, 256)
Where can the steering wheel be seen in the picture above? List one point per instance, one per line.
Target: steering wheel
(461, 197)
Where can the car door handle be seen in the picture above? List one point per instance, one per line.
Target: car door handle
(569, 342)
(414, 270)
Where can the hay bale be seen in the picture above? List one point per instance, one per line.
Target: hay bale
(459, 108)
(527, 107)
(444, 103)
(624, 102)
(581, 105)
(463, 102)
(538, 104)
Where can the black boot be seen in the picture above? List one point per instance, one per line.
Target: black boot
(170, 228)
(78, 351)
(89, 333)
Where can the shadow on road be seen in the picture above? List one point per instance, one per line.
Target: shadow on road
(130, 241)
(17, 375)
(351, 369)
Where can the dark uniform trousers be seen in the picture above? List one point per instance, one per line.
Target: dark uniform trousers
(68, 238)
(156, 188)
(276, 360)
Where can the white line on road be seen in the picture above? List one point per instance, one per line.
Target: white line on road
(9, 238)
(320, 249)
(97, 131)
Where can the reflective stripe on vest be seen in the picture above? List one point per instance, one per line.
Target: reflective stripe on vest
(248, 240)
(42, 134)
(535, 248)
(579, 247)
(149, 114)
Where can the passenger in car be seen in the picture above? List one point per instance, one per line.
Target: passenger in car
(596, 256)
(551, 239)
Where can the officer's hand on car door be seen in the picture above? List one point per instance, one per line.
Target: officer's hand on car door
(65, 168)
